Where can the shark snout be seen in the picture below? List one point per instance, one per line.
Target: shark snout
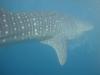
(83, 26)
(88, 27)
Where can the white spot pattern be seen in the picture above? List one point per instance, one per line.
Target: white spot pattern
(24, 25)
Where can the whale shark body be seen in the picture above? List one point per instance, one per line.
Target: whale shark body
(48, 27)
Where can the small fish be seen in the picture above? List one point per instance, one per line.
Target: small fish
(49, 28)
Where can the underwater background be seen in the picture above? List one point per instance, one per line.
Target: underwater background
(33, 58)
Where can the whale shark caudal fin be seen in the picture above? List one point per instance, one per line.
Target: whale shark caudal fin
(60, 46)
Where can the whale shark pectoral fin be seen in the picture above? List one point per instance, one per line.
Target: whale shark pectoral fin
(60, 46)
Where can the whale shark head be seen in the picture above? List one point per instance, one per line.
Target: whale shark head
(83, 27)
(67, 29)
(73, 28)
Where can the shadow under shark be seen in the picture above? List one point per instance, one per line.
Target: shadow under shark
(49, 28)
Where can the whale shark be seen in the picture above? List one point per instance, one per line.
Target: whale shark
(50, 28)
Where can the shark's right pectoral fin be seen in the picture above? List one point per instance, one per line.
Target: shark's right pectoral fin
(60, 46)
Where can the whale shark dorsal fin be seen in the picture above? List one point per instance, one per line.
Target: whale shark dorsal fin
(60, 46)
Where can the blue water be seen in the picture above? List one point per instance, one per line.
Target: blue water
(33, 58)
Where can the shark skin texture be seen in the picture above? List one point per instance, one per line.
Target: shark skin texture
(49, 28)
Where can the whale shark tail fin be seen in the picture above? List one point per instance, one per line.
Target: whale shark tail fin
(60, 46)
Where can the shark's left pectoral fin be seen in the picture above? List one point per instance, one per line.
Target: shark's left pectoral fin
(60, 46)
